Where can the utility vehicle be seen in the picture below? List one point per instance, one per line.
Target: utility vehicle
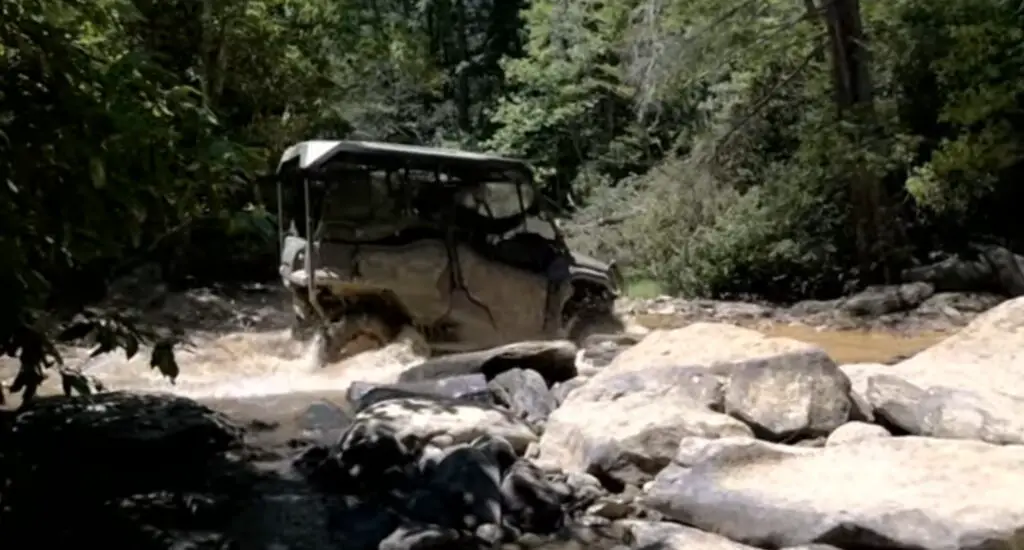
(379, 237)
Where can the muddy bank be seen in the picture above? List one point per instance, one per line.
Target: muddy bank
(914, 308)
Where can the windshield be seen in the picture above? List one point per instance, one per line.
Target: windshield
(497, 199)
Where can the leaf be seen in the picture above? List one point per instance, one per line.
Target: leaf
(163, 359)
(76, 331)
(98, 172)
(130, 343)
(73, 380)
(107, 340)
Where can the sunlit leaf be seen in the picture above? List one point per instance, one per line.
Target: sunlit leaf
(98, 172)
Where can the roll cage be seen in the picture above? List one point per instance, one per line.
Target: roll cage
(447, 189)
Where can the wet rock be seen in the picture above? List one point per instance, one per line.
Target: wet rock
(426, 537)
(425, 419)
(807, 396)
(464, 489)
(140, 469)
(599, 350)
(467, 387)
(133, 442)
(532, 503)
(323, 421)
(525, 393)
(555, 360)
(852, 432)
(908, 492)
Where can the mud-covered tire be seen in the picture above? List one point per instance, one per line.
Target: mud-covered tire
(302, 329)
(350, 337)
(594, 318)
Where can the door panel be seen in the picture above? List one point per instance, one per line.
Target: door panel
(515, 298)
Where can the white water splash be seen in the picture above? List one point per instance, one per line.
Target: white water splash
(253, 364)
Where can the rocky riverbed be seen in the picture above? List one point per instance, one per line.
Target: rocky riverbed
(708, 435)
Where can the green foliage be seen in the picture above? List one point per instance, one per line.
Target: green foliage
(757, 197)
(704, 144)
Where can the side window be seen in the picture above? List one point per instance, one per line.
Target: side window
(362, 196)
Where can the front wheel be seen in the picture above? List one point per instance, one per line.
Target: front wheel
(593, 315)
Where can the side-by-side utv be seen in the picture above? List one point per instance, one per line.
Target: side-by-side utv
(377, 237)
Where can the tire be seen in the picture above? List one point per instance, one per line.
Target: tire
(304, 325)
(593, 315)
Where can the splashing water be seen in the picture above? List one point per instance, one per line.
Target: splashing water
(254, 364)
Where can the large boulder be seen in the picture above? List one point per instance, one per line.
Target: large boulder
(555, 360)
(969, 386)
(908, 492)
(707, 380)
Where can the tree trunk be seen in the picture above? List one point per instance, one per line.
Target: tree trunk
(870, 215)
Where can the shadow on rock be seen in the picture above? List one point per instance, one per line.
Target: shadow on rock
(159, 471)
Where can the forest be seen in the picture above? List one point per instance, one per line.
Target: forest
(776, 149)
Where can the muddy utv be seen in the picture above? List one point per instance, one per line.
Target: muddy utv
(378, 237)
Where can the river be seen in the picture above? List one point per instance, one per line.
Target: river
(256, 362)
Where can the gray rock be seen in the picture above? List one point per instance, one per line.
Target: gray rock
(425, 537)
(426, 419)
(672, 536)
(324, 421)
(806, 397)
(907, 492)
(852, 432)
(599, 350)
(555, 360)
(467, 387)
(531, 502)
(525, 393)
(895, 401)
(561, 390)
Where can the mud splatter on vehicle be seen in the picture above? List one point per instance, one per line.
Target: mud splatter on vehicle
(462, 246)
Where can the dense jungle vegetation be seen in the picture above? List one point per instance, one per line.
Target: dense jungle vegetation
(777, 148)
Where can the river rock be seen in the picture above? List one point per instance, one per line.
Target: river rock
(879, 300)
(561, 390)
(852, 432)
(805, 396)
(450, 421)
(525, 393)
(939, 391)
(132, 441)
(627, 420)
(993, 343)
(467, 387)
(323, 421)
(555, 360)
(672, 536)
(599, 350)
(140, 470)
(907, 492)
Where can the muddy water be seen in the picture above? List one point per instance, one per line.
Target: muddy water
(844, 346)
(265, 370)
